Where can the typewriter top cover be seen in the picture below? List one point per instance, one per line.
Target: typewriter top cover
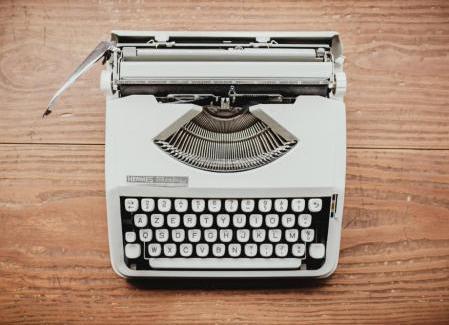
(210, 107)
(221, 114)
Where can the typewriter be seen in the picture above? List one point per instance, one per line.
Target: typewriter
(225, 152)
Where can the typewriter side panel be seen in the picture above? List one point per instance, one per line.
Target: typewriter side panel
(125, 119)
(312, 118)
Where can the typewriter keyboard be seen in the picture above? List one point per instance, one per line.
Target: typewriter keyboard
(239, 234)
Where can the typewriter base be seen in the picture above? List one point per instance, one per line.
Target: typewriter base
(136, 166)
(122, 269)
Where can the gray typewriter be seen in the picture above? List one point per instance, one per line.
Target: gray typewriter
(225, 152)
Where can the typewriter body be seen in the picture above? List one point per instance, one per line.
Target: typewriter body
(225, 152)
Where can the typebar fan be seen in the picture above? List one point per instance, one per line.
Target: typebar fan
(226, 144)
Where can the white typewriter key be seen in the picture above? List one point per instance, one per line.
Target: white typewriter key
(154, 250)
(247, 205)
(307, 235)
(202, 250)
(173, 220)
(315, 205)
(264, 205)
(181, 205)
(178, 235)
(259, 235)
(186, 250)
(140, 220)
(250, 250)
(243, 235)
(164, 205)
(157, 220)
(266, 250)
(189, 220)
(281, 205)
(225, 235)
(214, 205)
(317, 251)
(291, 235)
(223, 220)
(231, 205)
(225, 263)
(198, 205)
(298, 205)
(169, 250)
(147, 205)
(130, 236)
(234, 250)
(218, 250)
(298, 250)
(145, 235)
(304, 220)
(239, 220)
(161, 235)
(274, 235)
(132, 250)
(194, 235)
(255, 220)
(210, 235)
(131, 205)
(272, 220)
(206, 220)
(281, 250)
(288, 220)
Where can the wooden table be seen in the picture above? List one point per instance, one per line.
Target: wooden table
(394, 267)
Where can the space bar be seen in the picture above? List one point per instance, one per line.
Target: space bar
(224, 263)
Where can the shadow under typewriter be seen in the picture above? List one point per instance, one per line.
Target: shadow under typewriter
(227, 142)
(227, 283)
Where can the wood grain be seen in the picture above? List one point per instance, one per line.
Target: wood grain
(54, 261)
(396, 61)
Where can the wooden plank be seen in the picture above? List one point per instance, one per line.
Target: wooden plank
(396, 61)
(54, 262)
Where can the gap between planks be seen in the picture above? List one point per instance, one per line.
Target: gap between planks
(102, 144)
